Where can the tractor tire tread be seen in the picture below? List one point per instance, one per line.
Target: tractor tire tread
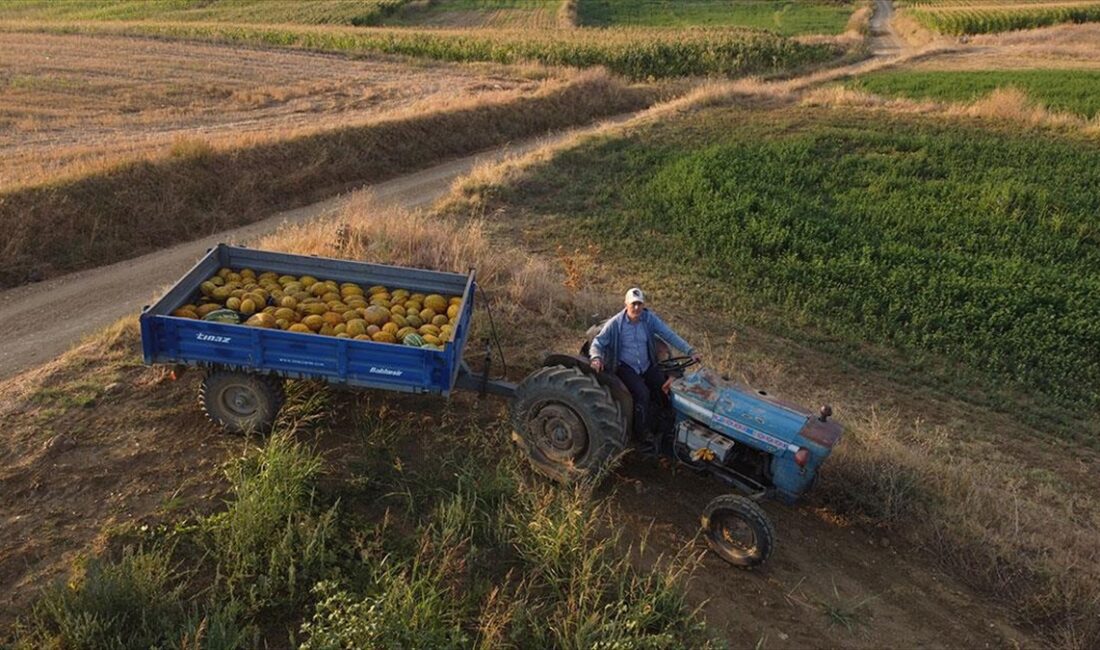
(601, 413)
(269, 388)
(754, 515)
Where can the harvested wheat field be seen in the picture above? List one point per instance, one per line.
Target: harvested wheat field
(74, 104)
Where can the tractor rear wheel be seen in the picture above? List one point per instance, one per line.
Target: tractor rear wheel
(240, 402)
(738, 530)
(569, 425)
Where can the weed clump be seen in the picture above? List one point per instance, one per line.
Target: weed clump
(270, 540)
(137, 601)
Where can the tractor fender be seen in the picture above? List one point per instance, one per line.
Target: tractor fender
(618, 389)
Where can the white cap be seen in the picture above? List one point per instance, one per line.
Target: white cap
(634, 295)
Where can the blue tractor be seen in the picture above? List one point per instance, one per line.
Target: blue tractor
(573, 421)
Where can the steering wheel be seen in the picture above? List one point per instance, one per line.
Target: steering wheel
(676, 364)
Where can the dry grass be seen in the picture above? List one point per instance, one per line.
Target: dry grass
(1009, 105)
(75, 105)
(109, 216)
(1063, 47)
(1013, 522)
(525, 289)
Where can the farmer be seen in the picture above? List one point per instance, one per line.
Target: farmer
(626, 346)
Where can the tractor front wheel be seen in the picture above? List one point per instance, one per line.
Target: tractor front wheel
(569, 425)
(738, 530)
(240, 402)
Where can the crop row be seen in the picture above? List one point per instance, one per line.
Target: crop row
(786, 17)
(984, 21)
(334, 12)
(636, 53)
(901, 4)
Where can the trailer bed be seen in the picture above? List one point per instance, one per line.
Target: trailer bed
(340, 361)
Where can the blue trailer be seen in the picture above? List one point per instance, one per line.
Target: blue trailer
(343, 362)
(569, 418)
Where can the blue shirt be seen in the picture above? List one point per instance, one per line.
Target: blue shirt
(607, 345)
(635, 345)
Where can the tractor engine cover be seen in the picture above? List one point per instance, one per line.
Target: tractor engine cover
(739, 412)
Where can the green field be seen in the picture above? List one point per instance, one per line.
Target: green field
(1070, 91)
(988, 16)
(535, 14)
(968, 252)
(338, 12)
(783, 17)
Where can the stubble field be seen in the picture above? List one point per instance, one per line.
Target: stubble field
(73, 105)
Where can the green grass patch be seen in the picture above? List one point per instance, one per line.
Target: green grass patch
(1070, 91)
(782, 17)
(988, 19)
(963, 249)
(635, 53)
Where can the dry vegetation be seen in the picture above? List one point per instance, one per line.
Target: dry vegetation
(1063, 47)
(1002, 105)
(74, 105)
(199, 188)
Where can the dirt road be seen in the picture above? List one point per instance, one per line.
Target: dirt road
(884, 40)
(92, 299)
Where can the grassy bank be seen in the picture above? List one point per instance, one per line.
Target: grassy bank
(635, 53)
(140, 206)
(474, 557)
(1070, 91)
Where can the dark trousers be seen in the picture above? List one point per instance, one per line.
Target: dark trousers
(642, 388)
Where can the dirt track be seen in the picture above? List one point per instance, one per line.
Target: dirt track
(884, 41)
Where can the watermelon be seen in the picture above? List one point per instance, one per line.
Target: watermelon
(223, 316)
(414, 340)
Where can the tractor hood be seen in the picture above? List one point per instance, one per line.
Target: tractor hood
(750, 415)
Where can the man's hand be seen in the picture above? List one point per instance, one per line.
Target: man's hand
(697, 358)
(597, 364)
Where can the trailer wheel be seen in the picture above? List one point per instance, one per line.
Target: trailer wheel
(240, 402)
(569, 425)
(738, 530)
